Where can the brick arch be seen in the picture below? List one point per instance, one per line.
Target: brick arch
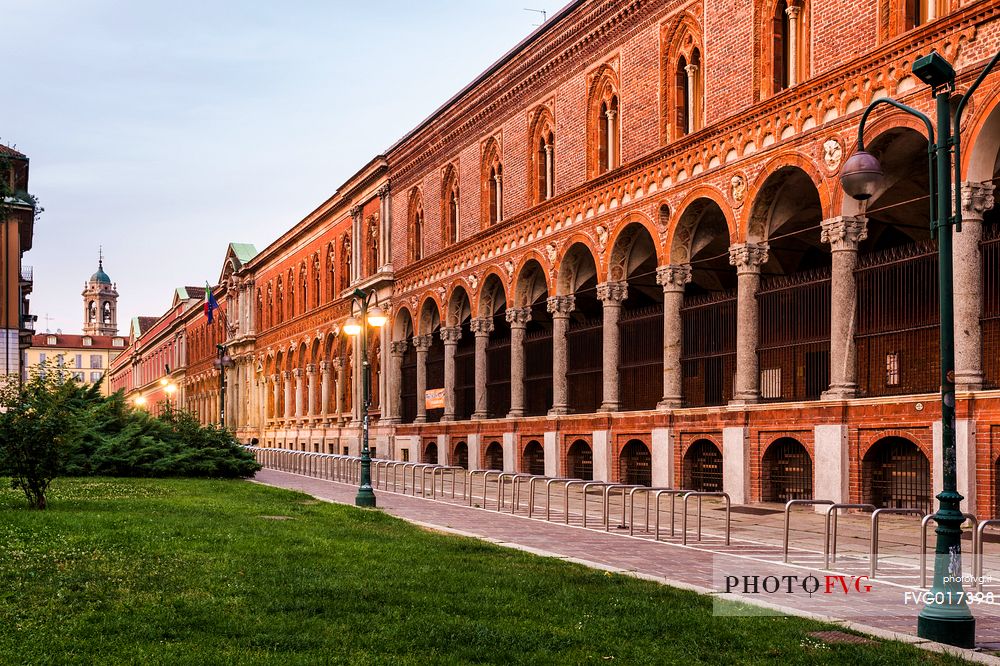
(457, 287)
(679, 38)
(505, 285)
(521, 265)
(491, 155)
(878, 124)
(750, 219)
(415, 224)
(541, 125)
(604, 86)
(865, 445)
(399, 322)
(676, 232)
(979, 154)
(449, 184)
(563, 283)
(429, 299)
(624, 233)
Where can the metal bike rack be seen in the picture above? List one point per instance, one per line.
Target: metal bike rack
(472, 479)
(788, 508)
(517, 481)
(832, 509)
(673, 493)
(700, 496)
(978, 560)
(604, 505)
(501, 483)
(486, 481)
(873, 555)
(531, 492)
(548, 494)
(607, 503)
(566, 487)
(631, 506)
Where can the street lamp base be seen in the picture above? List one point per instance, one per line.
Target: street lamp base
(365, 498)
(960, 632)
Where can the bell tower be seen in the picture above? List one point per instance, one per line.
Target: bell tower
(100, 303)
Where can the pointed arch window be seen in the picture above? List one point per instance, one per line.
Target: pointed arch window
(785, 30)
(304, 287)
(449, 205)
(290, 285)
(542, 160)
(918, 12)
(279, 304)
(688, 81)
(603, 123)
(316, 281)
(345, 262)
(682, 77)
(492, 183)
(416, 224)
(371, 247)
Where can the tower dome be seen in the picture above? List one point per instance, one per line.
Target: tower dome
(100, 303)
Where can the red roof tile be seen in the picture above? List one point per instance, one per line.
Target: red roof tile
(10, 152)
(146, 323)
(76, 341)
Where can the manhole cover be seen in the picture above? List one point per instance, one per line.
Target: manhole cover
(277, 518)
(838, 637)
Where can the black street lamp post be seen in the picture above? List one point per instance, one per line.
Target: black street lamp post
(946, 617)
(371, 315)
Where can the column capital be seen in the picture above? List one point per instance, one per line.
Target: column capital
(793, 11)
(673, 277)
(311, 369)
(691, 69)
(518, 317)
(398, 347)
(612, 292)
(748, 257)
(324, 366)
(482, 326)
(423, 342)
(561, 306)
(285, 375)
(297, 372)
(844, 232)
(977, 198)
(451, 335)
(338, 363)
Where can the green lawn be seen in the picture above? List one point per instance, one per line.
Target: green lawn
(202, 572)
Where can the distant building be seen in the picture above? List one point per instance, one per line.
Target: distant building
(88, 356)
(17, 219)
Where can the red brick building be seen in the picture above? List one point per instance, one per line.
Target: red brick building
(623, 252)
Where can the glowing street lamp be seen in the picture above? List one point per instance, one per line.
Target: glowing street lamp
(371, 316)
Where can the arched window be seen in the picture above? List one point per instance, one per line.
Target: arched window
(604, 123)
(316, 280)
(492, 183)
(683, 76)
(416, 224)
(290, 285)
(345, 262)
(371, 247)
(279, 304)
(919, 12)
(785, 29)
(541, 161)
(304, 288)
(449, 205)
(331, 272)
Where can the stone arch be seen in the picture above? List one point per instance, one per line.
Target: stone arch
(687, 217)
(624, 241)
(580, 460)
(533, 458)
(492, 295)
(402, 323)
(493, 456)
(635, 463)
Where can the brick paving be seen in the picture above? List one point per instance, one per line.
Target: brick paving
(755, 550)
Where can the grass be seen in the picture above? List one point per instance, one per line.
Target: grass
(211, 572)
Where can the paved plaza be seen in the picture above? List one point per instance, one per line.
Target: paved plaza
(886, 605)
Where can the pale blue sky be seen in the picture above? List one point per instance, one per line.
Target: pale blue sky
(164, 130)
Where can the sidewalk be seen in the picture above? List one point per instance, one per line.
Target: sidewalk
(755, 550)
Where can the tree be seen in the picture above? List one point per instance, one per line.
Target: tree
(39, 425)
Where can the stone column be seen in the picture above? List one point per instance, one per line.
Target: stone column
(481, 328)
(792, 11)
(287, 379)
(299, 393)
(325, 381)
(450, 336)
(611, 294)
(311, 390)
(339, 389)
(692, 81)
(422, 343)
(977, 198)
(748, 258)
(499, 180)
(612, 138)
(276, 397)
(560, 307)
(844, 234)
(549, 172)
(672, 279)
(395, 393)
(518, 320)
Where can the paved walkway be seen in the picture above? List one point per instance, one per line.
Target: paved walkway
(884, 607)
